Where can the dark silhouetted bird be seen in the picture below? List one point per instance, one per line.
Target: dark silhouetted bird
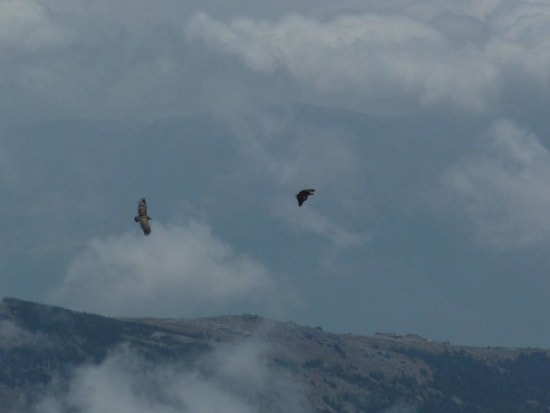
(142, 217)
(303, 194)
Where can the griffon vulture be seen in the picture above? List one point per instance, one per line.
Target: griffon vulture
(142, 217)
(303, 194)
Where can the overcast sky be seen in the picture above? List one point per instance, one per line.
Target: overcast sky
(422, 124)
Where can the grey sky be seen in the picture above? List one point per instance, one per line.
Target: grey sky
(421, 124)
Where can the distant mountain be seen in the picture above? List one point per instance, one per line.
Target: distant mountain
(56, 360)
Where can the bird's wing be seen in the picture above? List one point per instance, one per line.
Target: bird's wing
(145, 225)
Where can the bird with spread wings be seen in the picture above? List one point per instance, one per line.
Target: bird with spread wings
(303, 195)
(142, 217)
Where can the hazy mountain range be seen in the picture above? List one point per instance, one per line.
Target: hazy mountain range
(55, 360)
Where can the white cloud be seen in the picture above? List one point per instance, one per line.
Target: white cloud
(381, 62)
(503, 187)
(235, 378)
(176, 270)
(382, 57)
(13, 336)
(345, 56)
(316, 223)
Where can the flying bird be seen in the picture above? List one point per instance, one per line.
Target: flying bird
(142, 217)
(303, 195)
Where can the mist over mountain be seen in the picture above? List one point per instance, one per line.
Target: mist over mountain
(55, 360)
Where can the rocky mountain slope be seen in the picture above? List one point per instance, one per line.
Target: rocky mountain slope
(48, 355)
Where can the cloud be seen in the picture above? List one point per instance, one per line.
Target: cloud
(234, 378)
(382, 62)
(383, 57)
(176, 270)
(27, 26)
(342, 60)
(368, 61)
(289, 151)
(13, 336)
(289, 154)
(56, 64)
(503, 187)
(316, 223)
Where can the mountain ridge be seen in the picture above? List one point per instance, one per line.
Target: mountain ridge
(42, 344)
